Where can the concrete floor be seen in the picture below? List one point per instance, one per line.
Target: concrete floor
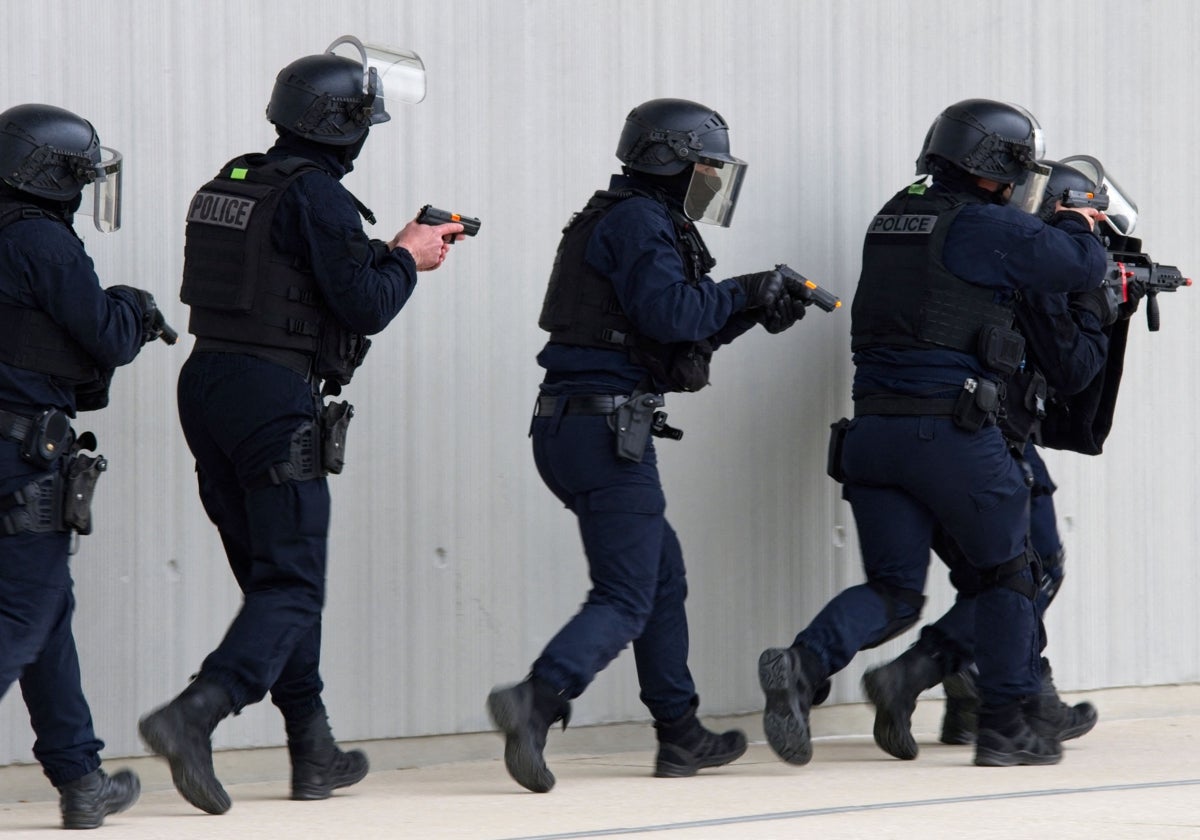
(1137, 775)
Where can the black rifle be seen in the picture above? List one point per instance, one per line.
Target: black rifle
(1129, 269)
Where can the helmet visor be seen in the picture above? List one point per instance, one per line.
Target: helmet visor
(713, 191)
(1122, 212)
(1027, 193)
(104, 203)
(388, 72)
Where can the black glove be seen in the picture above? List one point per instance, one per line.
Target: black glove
(154, 325)
(762, 289)
(1102, 302)
(1134, 292)
(782, 314)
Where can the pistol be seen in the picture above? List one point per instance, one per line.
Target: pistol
(431, 215)
(810, 292)
(1084, 198)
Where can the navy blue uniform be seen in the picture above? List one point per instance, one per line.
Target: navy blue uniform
(43, 266)
(1069, 346)
(906, 474)
(634, 559)
(239, 412)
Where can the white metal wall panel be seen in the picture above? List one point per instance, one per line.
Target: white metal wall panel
(450, 563)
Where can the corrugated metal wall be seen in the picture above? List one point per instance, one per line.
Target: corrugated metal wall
(451, 564)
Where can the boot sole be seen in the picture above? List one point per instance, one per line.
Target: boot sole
(783, 724)
(523, 761)
(995, 758)
(194, 789)
(892, 735)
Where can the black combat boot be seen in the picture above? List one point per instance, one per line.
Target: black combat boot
(961, 718)
(1006, 739)
(893, 690)
(685, 746)
(524, 713)
(181, 732)
(318, 766)
(86, 801)
(1052, 718)
(789, 678)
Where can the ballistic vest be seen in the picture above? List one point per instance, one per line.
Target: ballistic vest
(906, 296)
(581, 308)
(247, 295)
(32, 339)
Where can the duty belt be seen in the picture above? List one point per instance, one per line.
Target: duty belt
(593, 404)
(14, 426)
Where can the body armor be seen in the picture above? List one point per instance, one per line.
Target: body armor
(245, 294)
(906, 296)
(33, 340)
(581, 308)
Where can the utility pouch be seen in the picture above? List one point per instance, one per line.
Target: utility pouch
(977, 404)
(335, 418)
(79, 486)
(48, 439)
(1024, 406)
(837, 440)
(1000, 349)
(633, 421)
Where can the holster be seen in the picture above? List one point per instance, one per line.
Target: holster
(335, 419)
(60, 500)
(833, 458)
(316, 449)
(79, 486)
(978, 403)
(633, 421)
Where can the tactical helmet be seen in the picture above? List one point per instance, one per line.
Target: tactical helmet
(325, 98)
(664, 136)
(47, 151)
(989, 139)
(1063, 177)
(1086, 174)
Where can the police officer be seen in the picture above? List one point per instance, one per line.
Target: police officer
(1067, 353)
(64, 336)
(283, 285)
(632, 314)
(933, 343)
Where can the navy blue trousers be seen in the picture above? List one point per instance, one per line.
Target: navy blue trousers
(238, 415)
(953, 635)
(635, 564)
(37, 647)
(905, 476)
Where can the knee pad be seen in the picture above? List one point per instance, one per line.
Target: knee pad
(1010, 575)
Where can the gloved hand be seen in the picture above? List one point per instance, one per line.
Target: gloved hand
(1102, 302)
(1134, 292)
(154, 325)
(762, 289)
(782, 314)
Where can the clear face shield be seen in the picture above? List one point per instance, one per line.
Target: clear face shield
(104, 203)
(1027, 194)
(398, 72)
(713, 191)
(1122, 212)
